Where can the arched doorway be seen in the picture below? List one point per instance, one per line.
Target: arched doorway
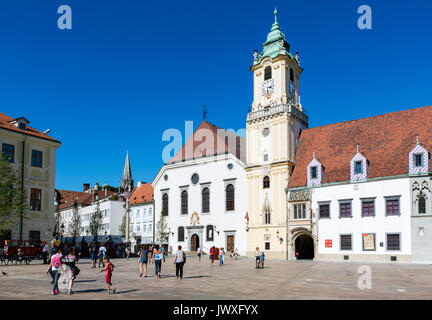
(304, 247)
(194, 242)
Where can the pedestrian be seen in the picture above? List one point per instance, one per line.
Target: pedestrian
(179, 261)
(93, 254)
(52, 251)
(151, 254)
(221, 256)
(163, 253)
(45, 253)
(70, 260)
(102, 255)
(128, 251)
(262, 259)
(143, 258)
(199, 253)
(157, 259)
(236, 254)
(108, 268)
(212, 253)
(257, 257)
(55, 266)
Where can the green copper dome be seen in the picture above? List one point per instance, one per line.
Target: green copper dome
(275, 43)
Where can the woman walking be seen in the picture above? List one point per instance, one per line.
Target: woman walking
(157, 259)
(73, 271)
(143, 258)
(221, 257)
(128, 251)
(102, 255)
(55, 267)
(212, 253)
(93, 254)
(179, 261)
(199, 253)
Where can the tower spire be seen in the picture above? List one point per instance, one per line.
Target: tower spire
(275, 14)
(127, 182)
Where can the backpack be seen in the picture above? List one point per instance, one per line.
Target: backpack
(184, 257)
(56, 261)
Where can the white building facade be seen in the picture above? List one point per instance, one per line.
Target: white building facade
(204, 199)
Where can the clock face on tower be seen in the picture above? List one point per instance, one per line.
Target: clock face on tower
(267, 87)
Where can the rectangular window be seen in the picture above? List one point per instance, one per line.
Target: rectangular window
(35, 199)
(358, 167)
(314, 172)
(368, 208)
(324, 211)
(393, 241)
(346, 242)
(266, 157)
(36, 160)
(345, 209)
(34, 235)
(8, 152)
(295, 211)
(300, 211)
(392, 207)
(144, 228)
(418, 160)
(267, 245)
(150, 227)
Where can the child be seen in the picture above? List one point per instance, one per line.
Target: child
(109, 268)
(55, 267)
(262, 260)
(257, 257)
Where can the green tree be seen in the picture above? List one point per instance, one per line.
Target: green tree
(122, 227)
(12, 196)
(161, 228)
(96, 223)
(74, 227)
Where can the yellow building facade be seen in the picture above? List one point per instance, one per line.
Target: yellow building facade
(272, 129)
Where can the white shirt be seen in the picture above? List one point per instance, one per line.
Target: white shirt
(199, 250)
(180, 256)
(103, 250)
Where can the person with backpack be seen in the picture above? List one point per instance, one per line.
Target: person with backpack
(157, 259)
(108, 268)
(143, 258)
(179, 261)
(55, 266)
(73, 270)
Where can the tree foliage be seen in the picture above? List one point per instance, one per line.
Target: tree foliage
(12, 196)
(74, 227)
(122, 227)
(96, 223)
(161, 228)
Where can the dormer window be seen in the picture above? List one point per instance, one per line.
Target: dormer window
(21, 123)
(418, 159)
(314, 172)
(358, 167)
(22, 126)
(267, 73)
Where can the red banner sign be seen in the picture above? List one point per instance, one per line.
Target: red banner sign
(328, 243)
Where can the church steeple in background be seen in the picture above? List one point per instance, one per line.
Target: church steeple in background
(127, 181)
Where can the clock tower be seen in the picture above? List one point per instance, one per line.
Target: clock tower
(272, 129)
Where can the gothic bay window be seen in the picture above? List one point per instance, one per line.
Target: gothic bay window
(266, 182)
(180, 234)
(36, 159)
(229, 196)
(267, 217)
(165, 204)
(422, 205)
(206, 200)
(209, 232)
(300, 211)
(392, 206)
(184, 202)
(345, 209)
(346, 242)
(35, 199)
(368, 208)
(324, 211)
(8, 151)
(418, 160)
(267, 73)
(393, 241)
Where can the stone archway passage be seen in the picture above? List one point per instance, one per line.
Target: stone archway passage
(194, 242)
(304, 247)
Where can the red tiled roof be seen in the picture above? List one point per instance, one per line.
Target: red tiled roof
(197, 147)
(5, 123)
(141, 194)
(67, 197)
(385, 140)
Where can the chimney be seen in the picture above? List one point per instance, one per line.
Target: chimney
(106, 192)
(86, 186)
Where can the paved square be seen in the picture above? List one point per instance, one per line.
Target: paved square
(236, 280)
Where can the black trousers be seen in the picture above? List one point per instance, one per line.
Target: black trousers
(179, 269)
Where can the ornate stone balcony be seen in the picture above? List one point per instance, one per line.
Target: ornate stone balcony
(270, 111)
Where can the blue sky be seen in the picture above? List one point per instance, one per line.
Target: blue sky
(128, 70)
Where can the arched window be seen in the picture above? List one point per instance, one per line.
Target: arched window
(209, 232)
(229, 197)
(184, 202)
(422, 205)
(206, 200)
(291, 75)
(165, 204)
(180, 236)
(266, 182)
(267, 73)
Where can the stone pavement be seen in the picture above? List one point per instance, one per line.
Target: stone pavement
(236, 280)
